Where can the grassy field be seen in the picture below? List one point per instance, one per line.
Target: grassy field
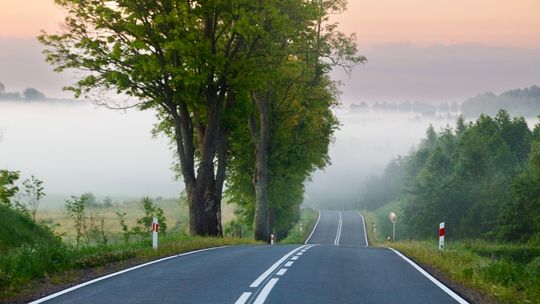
(176, 214)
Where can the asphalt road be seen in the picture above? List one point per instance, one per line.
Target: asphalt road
(334, 266)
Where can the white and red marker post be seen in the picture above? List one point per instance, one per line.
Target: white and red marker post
(155, 230)
(441, 236)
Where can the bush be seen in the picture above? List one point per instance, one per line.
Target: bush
(533, 268)
(504, 272)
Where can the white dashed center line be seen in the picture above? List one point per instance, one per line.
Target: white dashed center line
(281, 271)
(258, 296)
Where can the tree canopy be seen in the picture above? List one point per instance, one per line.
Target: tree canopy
(481, 178)
(206, 68)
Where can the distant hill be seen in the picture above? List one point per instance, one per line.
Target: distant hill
(518, 102)
(18, 230)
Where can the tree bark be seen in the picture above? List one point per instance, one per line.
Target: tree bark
(261, 135)
(203, 199)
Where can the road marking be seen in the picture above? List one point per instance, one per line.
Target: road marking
(281, 271)
(338, 232)
(266, 291)
(451, 293)
(269, 271)
(54, 295)
(365, 229)
(314, 227)
(243, 298)
(260, 295)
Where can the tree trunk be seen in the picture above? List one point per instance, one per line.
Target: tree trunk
(212, 210)
(203, 200)
(261, 135)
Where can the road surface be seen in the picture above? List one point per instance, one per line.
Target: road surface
(334, 266)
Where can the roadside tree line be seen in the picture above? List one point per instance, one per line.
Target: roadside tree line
(241, 87)
(481, 177)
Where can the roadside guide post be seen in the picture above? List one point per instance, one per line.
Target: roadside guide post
(393, 219)
(441, 236)
(155, 229)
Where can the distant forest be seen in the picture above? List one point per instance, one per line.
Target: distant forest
(519, 102)
(482, 178)
(29, 94)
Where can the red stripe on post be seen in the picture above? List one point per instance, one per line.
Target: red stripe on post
(441, 231)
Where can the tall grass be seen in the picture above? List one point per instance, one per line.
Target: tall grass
(508, 272)
(22, 265)
(301, 230)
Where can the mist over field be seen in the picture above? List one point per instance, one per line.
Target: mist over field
(77, 147)
(112, 152)
(364, 145)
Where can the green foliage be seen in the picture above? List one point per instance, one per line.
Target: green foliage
(76, 210)
(126, 233)
(151, 211)
(18, 230)
(89, 226)
(32, 194)
(481, 179)
(534, 267)
(301, 230)
(483, 266)
(144, 224)
(7, 186)
(235, 229)
(53, 259)
(199, 65)
(292, 100)
(379, 220)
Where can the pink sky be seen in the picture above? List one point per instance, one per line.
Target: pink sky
(510, 23)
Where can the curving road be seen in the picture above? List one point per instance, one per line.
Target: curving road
(334, 266)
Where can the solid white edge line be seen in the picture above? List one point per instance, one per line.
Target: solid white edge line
(451, 293)
(57, 294)
(314, 227)
(266, 291)
(365, 228)
(269, 271)
(243, 298)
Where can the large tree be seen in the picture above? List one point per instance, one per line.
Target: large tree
(290, 121)
(187, 60)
